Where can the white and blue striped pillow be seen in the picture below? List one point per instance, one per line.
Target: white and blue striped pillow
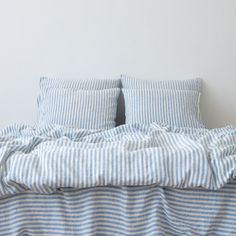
(133, 83)
(85, 84)
(173, 107)
(86, 104)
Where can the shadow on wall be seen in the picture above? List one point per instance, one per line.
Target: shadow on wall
(214, 110)
(120, 115)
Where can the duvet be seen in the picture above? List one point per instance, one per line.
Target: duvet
(130, 180)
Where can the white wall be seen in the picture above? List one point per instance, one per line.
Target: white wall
(145, 38)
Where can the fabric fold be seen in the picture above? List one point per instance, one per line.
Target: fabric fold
(55, 157)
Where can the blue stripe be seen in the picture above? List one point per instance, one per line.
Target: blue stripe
(173, 107)
(85, 104)
(150, 180)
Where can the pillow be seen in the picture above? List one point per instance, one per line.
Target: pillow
(85, 109)
(86, 104)
(132, 83)
(88, 84)
(174, 107)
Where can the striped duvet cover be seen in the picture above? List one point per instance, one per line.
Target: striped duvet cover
(130, 180)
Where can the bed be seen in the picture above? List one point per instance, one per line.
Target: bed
(75, 173)
(130, 180)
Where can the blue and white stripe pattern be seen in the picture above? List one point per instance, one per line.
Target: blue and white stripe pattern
(132, 211)
(85, 109)
(80, 84)
(133, 83)
(174, 102)
(174, 107)
(43, 160)
(130, 180)
(87, 104)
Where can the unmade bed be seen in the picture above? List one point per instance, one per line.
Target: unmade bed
(129, 180)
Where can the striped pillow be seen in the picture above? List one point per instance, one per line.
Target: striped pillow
(86, 104)
(86, 84)
(132, 83)
(85, 109)
(174, 107)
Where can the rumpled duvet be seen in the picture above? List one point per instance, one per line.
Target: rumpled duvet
(137, 161)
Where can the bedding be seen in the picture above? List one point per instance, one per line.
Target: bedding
(86, 84)
(85, 109)
(129, 82)
(87, 104)
(178, 108)
(174, 102)
(131, 180)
